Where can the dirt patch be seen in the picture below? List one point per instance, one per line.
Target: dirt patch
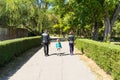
(100, 73)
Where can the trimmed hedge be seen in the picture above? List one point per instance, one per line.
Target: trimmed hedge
(107, 56)
(11, 48)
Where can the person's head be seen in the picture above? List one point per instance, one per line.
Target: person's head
(58, 40)
(71, 32)
(46, 31)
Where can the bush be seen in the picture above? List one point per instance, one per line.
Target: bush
(107, 56)
(11, 48)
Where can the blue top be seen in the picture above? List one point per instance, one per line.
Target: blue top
(58, 45)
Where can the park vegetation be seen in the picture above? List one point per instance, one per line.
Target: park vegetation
(106, 55)
(10, 49)
(88, 18)
(94, 19)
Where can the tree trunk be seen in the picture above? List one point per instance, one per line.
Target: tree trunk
(107, 29)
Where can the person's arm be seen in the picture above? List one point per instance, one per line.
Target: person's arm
(41, 37)
(48, 38)
(60, 45)
(56, 45)
(68, 38)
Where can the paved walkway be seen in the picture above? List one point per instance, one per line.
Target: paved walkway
(53, 67)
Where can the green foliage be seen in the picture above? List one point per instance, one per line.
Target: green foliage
(66, 28)
(107, 56)
(35, 15)
(11, 48)
(116, 28)
(31, 14)
(107, 39)
(69, 18)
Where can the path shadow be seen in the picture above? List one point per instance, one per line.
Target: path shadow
(61, 39)
(59, 54)
(64, 54)
(10, 69)
(78, 54)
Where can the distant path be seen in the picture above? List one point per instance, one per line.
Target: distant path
(53, 67)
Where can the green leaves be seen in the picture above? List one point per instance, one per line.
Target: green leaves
(116, 28)
(10, 5)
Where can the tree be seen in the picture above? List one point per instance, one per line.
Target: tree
(110, 17)
(31, 14)
(93, 12)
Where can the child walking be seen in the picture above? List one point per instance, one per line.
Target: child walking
(58, 45)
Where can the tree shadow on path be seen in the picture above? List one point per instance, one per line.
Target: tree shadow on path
(11, 68)
(64, 54)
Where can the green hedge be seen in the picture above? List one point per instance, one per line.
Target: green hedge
(107, 56)
(11, 48)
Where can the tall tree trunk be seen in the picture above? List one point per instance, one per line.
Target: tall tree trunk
(107, 29)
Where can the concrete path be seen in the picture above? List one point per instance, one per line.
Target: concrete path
(54, 67)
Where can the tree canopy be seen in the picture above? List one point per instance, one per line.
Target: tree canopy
(88, 18)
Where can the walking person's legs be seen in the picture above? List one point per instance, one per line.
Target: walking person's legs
(71, 48)
(58, 51)
(46, 49)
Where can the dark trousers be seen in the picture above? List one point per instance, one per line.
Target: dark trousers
(71, 45)
(46, 48)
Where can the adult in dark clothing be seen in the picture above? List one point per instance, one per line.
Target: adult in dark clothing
(71, 42)
(46, 42)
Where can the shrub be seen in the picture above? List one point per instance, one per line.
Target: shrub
(11, 48)
(107, 56)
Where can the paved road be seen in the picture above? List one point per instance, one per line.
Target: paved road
(53, 67)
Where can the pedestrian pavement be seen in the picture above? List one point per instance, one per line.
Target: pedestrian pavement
(54, 67)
